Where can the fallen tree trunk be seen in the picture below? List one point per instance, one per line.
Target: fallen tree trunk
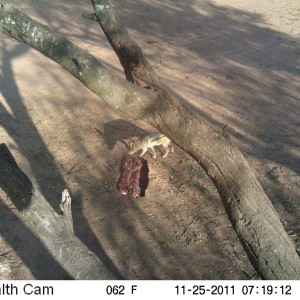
(55, 231)
(268, 246)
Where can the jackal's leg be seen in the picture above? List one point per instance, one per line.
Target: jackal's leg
(143, 152)
(167, 151)
(154, 153)
(166, 145)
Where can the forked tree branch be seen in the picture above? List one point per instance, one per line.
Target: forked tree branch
(55, 231)
(135, 65)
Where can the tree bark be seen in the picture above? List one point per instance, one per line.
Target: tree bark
(135, 65)
(55, 231)
(268, 246)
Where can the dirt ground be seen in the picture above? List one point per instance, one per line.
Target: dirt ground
(234, 62)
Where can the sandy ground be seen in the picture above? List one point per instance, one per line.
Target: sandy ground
(234, 62)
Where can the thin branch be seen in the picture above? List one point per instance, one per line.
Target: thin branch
(65, 209)
(90, 16)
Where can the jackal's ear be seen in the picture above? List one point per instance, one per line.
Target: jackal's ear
(129, 143)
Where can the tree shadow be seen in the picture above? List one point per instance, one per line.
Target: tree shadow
(29, 247)
(120, 130)
(17, 122)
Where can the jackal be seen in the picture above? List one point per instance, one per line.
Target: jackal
(149, 141)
